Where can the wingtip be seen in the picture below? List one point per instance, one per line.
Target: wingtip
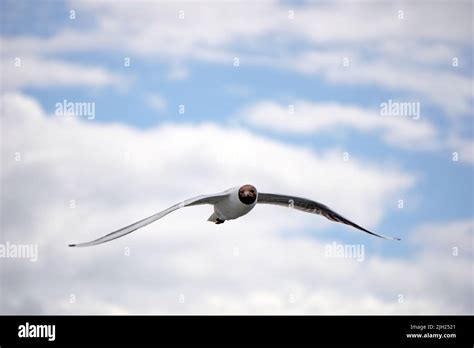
(393, 238)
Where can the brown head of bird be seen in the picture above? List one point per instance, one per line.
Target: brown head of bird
(248, 194)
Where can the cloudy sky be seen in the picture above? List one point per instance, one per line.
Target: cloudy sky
(185, 98)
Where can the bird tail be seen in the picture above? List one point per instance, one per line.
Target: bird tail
(213, 217)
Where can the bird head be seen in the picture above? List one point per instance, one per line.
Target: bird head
(248, 194)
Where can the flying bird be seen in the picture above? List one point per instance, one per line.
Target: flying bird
(232, 204)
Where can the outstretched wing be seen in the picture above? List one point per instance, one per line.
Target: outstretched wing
(205, 199)
(310, 206)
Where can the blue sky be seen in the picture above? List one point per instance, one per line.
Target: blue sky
(280, 64)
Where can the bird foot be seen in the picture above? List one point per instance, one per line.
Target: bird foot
(219, 221)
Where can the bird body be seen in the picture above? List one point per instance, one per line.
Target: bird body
(232, 207)
(232, 204)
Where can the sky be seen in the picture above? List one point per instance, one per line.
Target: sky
(113, 111)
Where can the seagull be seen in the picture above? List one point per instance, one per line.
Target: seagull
(232, 204)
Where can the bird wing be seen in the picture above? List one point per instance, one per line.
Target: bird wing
(310, 206)
(204, 199)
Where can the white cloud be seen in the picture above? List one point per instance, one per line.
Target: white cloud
(441, 53)
(223, 24)
(411, 55)
(447, 236)
(307, 118)
(446, 89)
(262, 263)
(225, 157)
(37, 72)
(116, 175)
(355, 22)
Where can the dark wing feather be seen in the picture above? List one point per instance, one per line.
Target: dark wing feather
(310, 206)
